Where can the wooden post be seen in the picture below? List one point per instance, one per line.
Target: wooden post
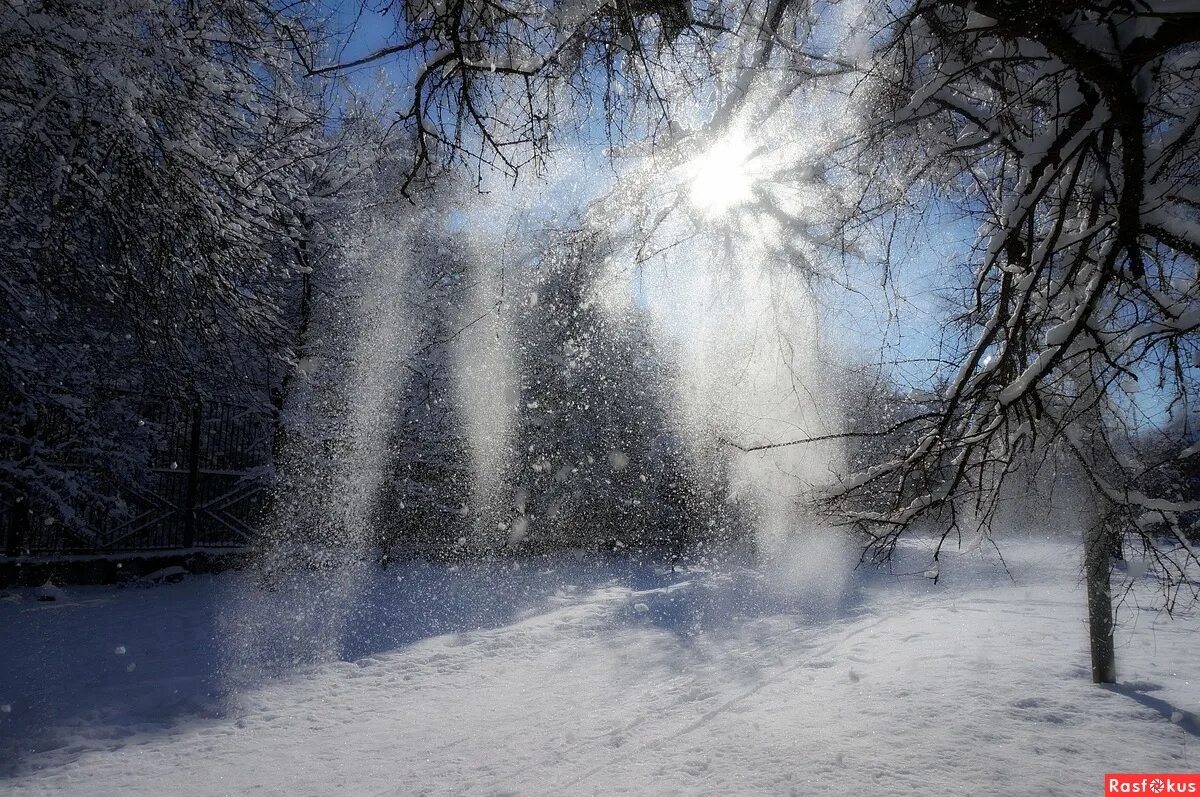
(193, 478)
(18, 525)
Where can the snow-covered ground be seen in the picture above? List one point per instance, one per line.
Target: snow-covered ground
(587, 676)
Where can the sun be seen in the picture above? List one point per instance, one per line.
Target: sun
(722, 178)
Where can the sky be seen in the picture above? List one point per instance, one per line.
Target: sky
(893, 323)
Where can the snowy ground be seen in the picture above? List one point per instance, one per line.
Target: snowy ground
(598, 677)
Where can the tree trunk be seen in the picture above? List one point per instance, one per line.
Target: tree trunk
(1099, 534)
(279, 394)
(1100, 615)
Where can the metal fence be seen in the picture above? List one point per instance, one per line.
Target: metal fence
(206, 486)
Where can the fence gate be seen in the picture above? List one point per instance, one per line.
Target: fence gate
(206, 487)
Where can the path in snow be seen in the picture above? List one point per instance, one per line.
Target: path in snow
(591, 677)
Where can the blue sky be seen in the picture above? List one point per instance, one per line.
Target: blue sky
(897, 325)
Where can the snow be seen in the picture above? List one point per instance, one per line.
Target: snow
(169, 574)
(600, 676)
(49, 592)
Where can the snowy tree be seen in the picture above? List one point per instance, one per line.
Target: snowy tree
(590, 469)
(152, 170)
(501, 86)
(1065, 135)
(420, 507)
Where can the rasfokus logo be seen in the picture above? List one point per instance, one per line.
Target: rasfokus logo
(1151, 783)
